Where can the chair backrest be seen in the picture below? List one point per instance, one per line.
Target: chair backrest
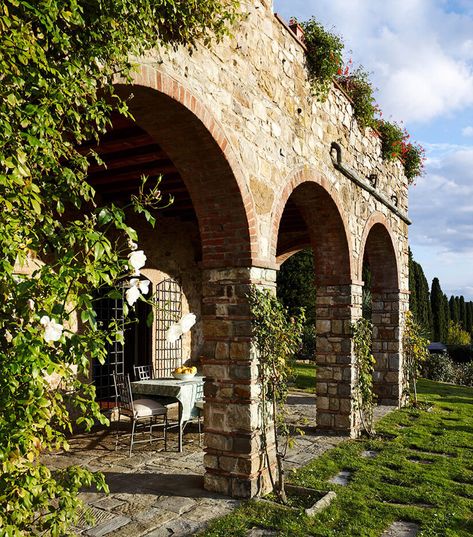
(143, 372)
(123, 395)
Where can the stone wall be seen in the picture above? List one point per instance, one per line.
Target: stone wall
(256, 87)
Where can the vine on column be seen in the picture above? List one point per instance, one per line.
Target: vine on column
(363, 396)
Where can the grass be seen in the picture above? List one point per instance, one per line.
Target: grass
(304, 376)
(423, 473)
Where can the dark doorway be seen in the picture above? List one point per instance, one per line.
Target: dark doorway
(137, 347)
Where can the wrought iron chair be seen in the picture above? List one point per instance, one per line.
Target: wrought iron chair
(139, 411)
(143, 372)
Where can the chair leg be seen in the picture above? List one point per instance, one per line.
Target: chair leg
(132, 436)
(199, 426)
(117, 426)
(151, 429)
(166, 431)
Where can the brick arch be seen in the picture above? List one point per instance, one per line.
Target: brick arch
(208, 165)
(322, 211)
(377, 244)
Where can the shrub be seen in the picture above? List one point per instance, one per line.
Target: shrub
(440, 367)
(456, 334)
(460, 353)
(465, 374)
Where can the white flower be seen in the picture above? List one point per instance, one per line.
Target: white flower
(132, 245)
(8, 336)
(136, 288)
(144, 286)
(187, 322)
(173, 333)
(30, 303)
(52, 329)
(137, 260)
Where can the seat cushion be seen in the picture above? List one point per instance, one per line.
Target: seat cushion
(148, 407)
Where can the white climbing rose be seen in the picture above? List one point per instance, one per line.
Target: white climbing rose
(52, 329)
(173, 333)
(137, 260)
(135, 289)
(187, 322)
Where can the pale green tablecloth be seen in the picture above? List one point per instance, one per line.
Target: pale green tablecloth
(187, 392)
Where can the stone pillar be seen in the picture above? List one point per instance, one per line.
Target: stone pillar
(388, 307)
(234, 460)
(337, 308)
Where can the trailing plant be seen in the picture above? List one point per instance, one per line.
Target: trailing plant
(395, 144)
(359, 88)
(57, 63)
(277, 337)
(364, 398)
(415, 353)
(323, 56)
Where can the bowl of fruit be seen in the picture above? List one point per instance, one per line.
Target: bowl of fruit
(184, 372)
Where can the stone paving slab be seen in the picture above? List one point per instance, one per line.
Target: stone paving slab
(402, 529)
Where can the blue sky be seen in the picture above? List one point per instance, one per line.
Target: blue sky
(420, 56)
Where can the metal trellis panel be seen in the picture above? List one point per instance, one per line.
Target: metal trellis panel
(168, 301)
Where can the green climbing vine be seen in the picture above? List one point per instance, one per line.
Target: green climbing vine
(415, 347)
(364, 397)
(58, 60)
(277, 337)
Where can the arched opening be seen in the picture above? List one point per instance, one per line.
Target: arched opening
(380, 273)
(310, 218)
(205, 242)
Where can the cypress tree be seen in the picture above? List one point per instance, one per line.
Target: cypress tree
(454, 311)
(424, 311)
(469, 316)
(446, 313)
(419, 299)
(462, 312)
(413, 300)
(439, 321)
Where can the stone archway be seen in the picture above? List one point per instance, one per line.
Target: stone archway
(379, 255)
(308, 214)
(213, 218)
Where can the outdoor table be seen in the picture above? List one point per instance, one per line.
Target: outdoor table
(186, 393)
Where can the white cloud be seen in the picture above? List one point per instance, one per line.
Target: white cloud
(441, 205)
(467, 131)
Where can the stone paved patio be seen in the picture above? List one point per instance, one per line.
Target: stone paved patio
(158, 493)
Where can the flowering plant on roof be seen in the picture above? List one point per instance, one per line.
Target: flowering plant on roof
(396, 144)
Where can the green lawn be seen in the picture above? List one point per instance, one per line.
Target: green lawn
(304, 376)
(423, 473)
